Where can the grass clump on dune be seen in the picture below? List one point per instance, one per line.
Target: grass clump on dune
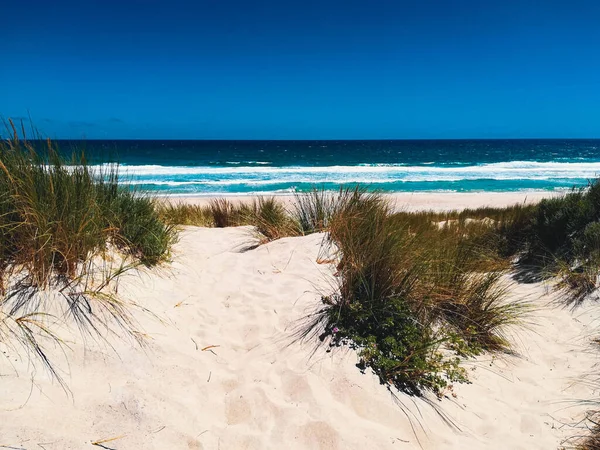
(224, 213)
(54, 215)
(314, 210)
(372, 310)
(266, 214)
(589, 437)
(185, 214)
(311, 212)
(61, 227)
(410, 298)
(563, 239)
(558, 238)
(270, 219)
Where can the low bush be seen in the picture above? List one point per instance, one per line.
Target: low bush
(565, 228)
(562, 239)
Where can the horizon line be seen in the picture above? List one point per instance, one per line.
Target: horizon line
(322, 140)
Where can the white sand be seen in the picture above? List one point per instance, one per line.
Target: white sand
(258, 389)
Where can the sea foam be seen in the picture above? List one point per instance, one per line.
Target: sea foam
(397, 176)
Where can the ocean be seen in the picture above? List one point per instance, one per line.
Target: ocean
(272, 167)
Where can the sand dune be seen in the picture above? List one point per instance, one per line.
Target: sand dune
(222, 370)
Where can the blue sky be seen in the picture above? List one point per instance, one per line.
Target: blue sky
(226, 69)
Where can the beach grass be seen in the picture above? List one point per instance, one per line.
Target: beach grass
(413, 285)
(413, 297)
(312, 211)
(270, 219)
(185, 214)
(563, 240)
(267, 215)
(68, 231)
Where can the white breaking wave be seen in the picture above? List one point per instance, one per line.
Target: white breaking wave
(253, 175)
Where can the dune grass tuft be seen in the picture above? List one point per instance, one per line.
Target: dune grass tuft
(412, 297)
(66, 234)
(562, 239)
(266, 214)
(185, 214)
(224, 213)
(270, 218)
(313, 210)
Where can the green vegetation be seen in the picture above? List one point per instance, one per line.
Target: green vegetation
(563, 238)
(267, 215)
(314, 210)
(185, 214)
(270, 219)
(62, 227)
(410, 296)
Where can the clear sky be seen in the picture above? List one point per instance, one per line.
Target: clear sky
(286, 69)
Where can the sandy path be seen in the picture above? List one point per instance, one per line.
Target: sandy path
(257, 389)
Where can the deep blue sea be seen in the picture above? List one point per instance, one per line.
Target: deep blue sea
(240, 167)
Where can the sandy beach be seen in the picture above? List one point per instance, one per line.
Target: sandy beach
(222, 367)
(414, 201)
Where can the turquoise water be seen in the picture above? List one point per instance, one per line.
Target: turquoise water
(240, 167)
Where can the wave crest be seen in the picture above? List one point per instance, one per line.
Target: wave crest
(512, 170)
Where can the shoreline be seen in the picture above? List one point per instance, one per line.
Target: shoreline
(413, 201)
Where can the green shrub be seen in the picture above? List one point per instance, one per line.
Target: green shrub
(589, 244)
(558, 225)
(563, 239)
(402, 351)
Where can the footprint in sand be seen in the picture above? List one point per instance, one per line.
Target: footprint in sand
(237, 410)
(319, 435)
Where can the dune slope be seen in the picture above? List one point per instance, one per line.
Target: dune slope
(222, 369)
